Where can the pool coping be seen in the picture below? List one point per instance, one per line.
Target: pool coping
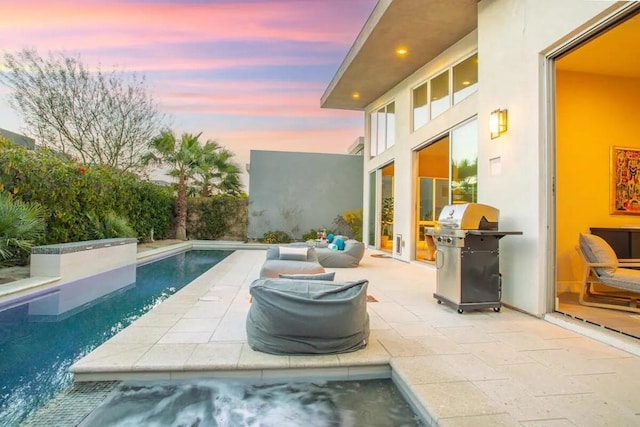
(18, 289)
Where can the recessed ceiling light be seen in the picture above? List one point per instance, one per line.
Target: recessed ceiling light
(401, 51)
(466, 83)
(355, 95)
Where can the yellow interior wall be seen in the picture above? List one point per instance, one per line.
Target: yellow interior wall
(594, 113)
(433, 161)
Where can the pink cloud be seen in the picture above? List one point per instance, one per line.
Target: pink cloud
(139, 24)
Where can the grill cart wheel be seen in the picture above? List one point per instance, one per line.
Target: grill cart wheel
(460, 311)
(496, 309)
(439, 302)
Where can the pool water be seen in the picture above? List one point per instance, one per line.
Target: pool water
(227, 403)
(42, 337)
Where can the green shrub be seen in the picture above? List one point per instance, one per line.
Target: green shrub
(215, 217)
(111, 225)
(354, 220)
(313, 234)
(276, 237)
(70, 194)
(21, 226)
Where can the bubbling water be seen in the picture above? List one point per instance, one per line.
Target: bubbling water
(200, 403)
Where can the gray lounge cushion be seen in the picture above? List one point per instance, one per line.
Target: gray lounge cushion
(597, 250)
(330, 276)
(292, 253)
(274, 266)
(307, 316)
(350, 257)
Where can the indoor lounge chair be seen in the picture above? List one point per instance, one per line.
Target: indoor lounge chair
(602, 267)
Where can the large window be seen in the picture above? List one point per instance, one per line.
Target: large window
(439, 94)
(465, 78)
(434, 97)
(382, 129)
(446, 173)
(464, 163)
(372, 208)
(420, 105)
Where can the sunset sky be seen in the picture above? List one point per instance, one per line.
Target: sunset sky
(247, 73)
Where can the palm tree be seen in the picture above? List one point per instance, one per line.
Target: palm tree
(185, 158)
(219, 173)
(21, 226)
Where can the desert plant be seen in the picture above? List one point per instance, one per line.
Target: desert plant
(354, 220)
(276, 237)
(21, 226)
(387, 216)
(111, 225)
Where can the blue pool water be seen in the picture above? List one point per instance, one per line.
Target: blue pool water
(42, 337)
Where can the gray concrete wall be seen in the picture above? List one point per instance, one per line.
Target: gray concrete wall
(297, 192)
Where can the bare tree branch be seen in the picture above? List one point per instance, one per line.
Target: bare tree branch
(105, 118)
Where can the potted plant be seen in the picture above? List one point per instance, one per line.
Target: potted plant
(387, 219)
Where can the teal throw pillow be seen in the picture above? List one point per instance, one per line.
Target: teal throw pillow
(329, 238)
(340, 244)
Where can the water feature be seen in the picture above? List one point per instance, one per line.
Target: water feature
(227, 403)
(42, 336)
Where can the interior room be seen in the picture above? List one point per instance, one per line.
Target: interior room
(386, 208)
(597, 88)
(432, 193)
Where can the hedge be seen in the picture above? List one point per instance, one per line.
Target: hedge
(217, 217)
(74, 195)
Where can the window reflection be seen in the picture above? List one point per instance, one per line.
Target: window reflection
(464, 163)
(440, 94)
(420, 101)
(391, 124)
(373, 135)
(465, 78)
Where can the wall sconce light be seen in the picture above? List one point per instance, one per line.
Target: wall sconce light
(498, 123)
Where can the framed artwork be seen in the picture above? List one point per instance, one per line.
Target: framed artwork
(625, 181)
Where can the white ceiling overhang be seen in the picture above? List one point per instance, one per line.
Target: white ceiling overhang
(372, 67)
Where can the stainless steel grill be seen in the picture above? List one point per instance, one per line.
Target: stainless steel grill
(467, 256)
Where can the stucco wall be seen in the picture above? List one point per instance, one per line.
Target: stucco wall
(513, 36)
(297, 192)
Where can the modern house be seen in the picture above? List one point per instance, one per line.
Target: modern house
(517, 104)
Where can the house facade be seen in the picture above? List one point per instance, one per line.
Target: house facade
(477, 101)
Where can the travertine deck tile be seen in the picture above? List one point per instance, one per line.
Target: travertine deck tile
(457, 399)
(215, 355)
(165, 357)
(476, 368)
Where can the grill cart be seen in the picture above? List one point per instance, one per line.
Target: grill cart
(467, 256)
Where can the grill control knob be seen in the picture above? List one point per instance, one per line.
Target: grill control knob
(439, 239)
(449, 240)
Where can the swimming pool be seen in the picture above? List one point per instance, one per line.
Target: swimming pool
(44, 335)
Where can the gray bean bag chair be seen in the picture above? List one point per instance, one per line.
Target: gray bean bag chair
(307, 316)
(348, 258)
(278, 262)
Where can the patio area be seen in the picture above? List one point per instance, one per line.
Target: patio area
(478, 368)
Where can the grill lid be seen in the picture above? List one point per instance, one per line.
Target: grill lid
(469, 216)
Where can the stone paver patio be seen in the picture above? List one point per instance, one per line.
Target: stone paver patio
(478, 368)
